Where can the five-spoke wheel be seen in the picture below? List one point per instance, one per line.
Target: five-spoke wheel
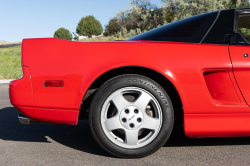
(131, 116)
(130, 126)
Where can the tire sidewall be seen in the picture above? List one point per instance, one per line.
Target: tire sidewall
(131, 81)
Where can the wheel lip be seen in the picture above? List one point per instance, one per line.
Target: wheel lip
(110, 135)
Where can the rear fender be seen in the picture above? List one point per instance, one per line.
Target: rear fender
(21, 91)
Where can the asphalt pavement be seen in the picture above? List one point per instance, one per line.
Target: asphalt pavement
(41, 144)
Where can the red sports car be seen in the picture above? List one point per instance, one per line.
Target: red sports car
(193, 73)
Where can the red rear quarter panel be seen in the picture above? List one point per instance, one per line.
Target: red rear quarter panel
(78, 64)
(21, 92)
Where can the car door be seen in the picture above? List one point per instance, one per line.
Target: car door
(240, 53)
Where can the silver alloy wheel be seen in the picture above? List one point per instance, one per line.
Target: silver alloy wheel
(131, 118)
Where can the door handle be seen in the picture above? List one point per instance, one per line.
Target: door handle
(245, 55)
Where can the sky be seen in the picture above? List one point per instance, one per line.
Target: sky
(41, 18)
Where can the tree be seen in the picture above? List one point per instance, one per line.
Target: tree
(112, 27)
(242, 3)
(142, 14)
(181, 9)
(89, 26)
(188, 8)
(63, 33)
(141, 17)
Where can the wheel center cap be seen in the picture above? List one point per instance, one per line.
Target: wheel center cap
(131, 118)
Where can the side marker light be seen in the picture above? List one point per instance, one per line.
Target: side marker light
(53, 84)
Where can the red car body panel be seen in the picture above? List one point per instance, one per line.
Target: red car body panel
(69, 117)
(196, 71)
(217, 125)
(21, 90)
(241, 69)
(220, 87)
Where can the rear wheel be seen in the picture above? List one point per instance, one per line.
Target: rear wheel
(131, 116)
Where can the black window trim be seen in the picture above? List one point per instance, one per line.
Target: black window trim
(210, 27)
(222, 29)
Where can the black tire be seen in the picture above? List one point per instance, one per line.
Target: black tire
(131, 81)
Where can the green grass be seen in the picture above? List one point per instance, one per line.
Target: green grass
(108, 38)
(10, 63)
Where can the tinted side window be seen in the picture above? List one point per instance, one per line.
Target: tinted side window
(244, 26)
(191, 29)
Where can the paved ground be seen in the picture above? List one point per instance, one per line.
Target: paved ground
(74, 145)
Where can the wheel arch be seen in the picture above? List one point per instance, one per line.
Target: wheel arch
(163, 81)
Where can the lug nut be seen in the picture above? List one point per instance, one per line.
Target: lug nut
(131, 125)
(139, 120)
(124, 120)
(136, 111)
(126, 111)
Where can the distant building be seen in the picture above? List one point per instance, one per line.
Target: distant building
(85, 37)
